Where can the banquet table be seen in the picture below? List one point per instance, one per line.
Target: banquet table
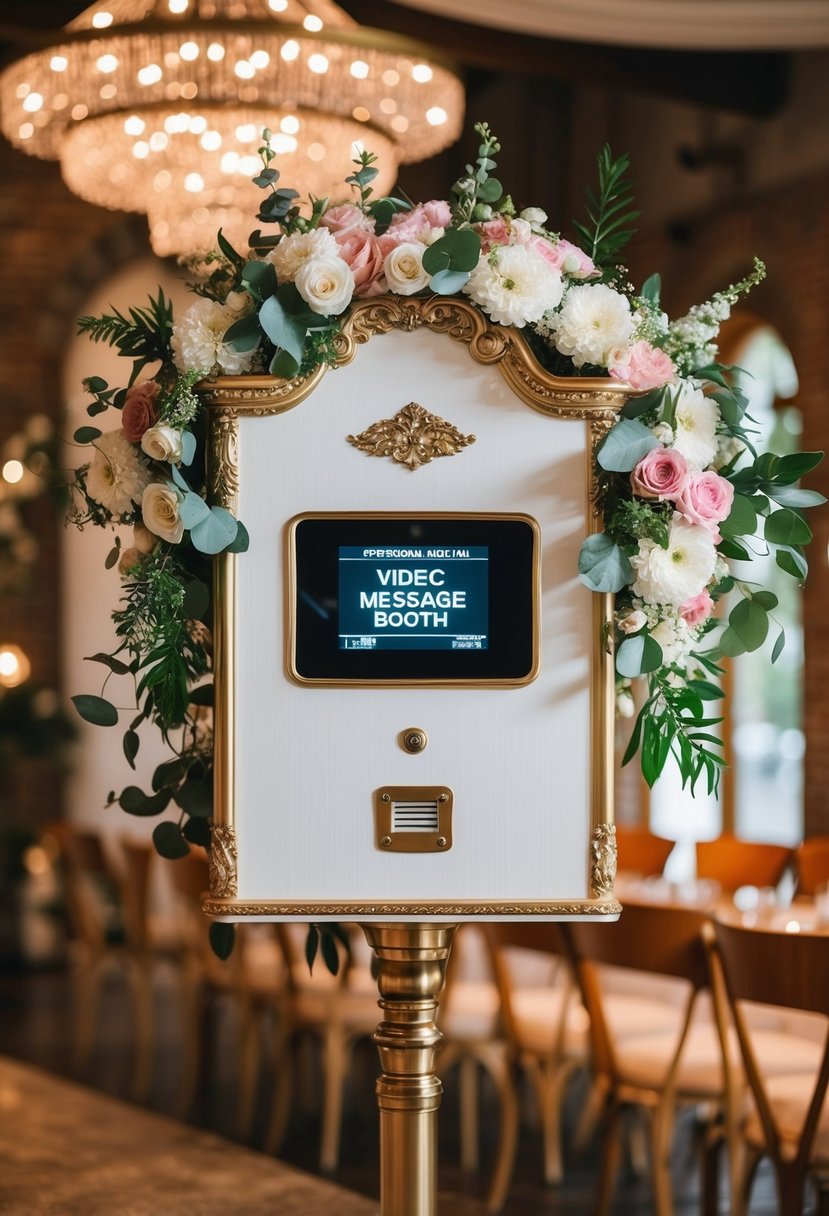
(65, 1149)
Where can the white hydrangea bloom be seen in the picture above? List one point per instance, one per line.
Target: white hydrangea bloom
(514, 285)
(198, 338)
(294, 251)
(696, 421)
(678, 573)
(594, 319)
(117, 474)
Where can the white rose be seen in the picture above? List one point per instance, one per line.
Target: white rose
(403, 269)
(326, 284)
(162, 443)
(159, 510)
(633, 622)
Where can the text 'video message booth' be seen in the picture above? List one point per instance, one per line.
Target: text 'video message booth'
(414, 691)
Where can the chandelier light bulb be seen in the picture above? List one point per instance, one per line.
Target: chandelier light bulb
(189, 85)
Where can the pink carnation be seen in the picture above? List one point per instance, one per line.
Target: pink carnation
(361, 251)
(697, 609)
(706, 500)
(641, 365)
(138, 414)
(662, 474)
(564, 255)
(493, 233)
(347, 218)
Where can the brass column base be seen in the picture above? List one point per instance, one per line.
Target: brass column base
(412, 965)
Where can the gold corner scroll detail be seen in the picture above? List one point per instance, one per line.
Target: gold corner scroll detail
(224, 458)
(413, 437)
(603, 861)
(222, 870)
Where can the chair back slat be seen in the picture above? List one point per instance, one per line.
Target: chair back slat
(790, 970)
(660, 940)
(734, 863)
(641, 852)
(812, 865)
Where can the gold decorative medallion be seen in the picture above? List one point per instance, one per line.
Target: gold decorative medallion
(603, 861)
(412, 437)
(222, 865)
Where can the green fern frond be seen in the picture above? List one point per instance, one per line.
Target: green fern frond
(144, 335)
(610, 214)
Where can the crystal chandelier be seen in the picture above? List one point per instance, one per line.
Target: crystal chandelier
(159, 106)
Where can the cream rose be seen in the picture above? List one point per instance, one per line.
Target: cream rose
(159, 510)
(403, 268)
(162, 443)
(326, 284)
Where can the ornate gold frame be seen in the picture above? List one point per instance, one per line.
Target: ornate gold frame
(595, 401)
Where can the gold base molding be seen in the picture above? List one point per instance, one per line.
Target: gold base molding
(354, 911)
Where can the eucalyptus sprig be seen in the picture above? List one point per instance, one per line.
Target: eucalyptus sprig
(476, 191)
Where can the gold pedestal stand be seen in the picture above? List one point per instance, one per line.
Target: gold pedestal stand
(412, 965)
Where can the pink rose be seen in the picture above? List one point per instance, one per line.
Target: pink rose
(662, 474)
(361, 251)
(641, 365)
(706, 500)
(138, 414)
(564, 255)
(697, 609)
(438, 213)
(347, 218)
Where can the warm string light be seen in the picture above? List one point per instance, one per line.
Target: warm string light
(15, 667)
(167, 116)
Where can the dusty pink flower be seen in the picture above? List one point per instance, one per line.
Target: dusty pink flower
(641, 365)
(438, 213)
(662, 474)
(633, 622)
(697, 609)
(347, 218)
(416, 225)
(138, 414)
(706, 500)
(564, 255)
(361, 251)
(493, 233)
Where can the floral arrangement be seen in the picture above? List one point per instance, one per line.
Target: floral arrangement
(682, 490)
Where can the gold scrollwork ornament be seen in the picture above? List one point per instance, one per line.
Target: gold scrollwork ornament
(222, 863)
(603, 861)
(413, 437)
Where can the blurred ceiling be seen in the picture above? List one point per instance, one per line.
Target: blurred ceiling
(661, 47)
(739, 25)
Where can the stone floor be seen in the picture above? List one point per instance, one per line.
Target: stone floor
(35, 1025)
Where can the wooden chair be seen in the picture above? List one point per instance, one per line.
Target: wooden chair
(657, 1069)
(789, 1118)
(811, 859)
(546, 1030)
(734, 863)
(336, 1010)
(641, 852)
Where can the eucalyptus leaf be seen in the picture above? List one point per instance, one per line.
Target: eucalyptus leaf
(260, 280)
(749, 621)
(96, 710)
(86, 434)
(447, 282)
(791, 559)
(108, 660)
(651, 290)
(793, 496)
(283, 329)
(135, 802)
(777, 649)
(222, 937)
(603, 566)
(131, 744)
(741, 519)
(241, 541)
(188, 447)
(625, 445)
(215, 531)
(792, 467)
(730, 644)
(786, 527)
(457, 249)
(638, 655)
(169, 841)
(203, 695)
(192, 511)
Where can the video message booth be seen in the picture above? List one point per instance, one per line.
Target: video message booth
(414, 691)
